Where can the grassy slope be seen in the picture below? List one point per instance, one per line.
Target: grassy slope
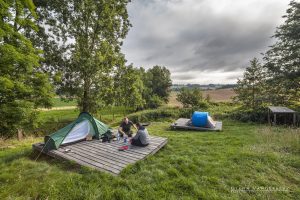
(52, 120)
(193, 165)
(58, 102)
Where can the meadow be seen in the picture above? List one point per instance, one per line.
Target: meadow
(244, 161)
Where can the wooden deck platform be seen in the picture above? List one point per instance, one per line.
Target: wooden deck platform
(105, 156)
(183, 123)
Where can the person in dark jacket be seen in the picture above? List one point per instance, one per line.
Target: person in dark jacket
(125, 127)
(142, 137)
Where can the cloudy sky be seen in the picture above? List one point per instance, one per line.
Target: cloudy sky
(201, 41)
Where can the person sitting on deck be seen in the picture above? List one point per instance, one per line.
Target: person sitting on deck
(141, 138)
(125, 127)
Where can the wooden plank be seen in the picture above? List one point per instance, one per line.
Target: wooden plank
(160, 146)
(114, 149)
(134, 152)
(140, 150)
(58, 155)
(76, 158)
(105, 156)
(83, 155)
(280, 109)
(109, 154)
(101, 153)
(183, 123)
(115, 152)
(98, 156)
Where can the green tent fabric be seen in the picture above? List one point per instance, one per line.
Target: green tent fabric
(95, 128)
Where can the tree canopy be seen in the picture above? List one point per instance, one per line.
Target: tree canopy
(283, 59)
(250, 89)
(74, 48)
(191, 98)
(277, 80)
(23, 86)
(159, 80)
(90, 32)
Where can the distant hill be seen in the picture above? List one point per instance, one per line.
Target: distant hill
(176, 87)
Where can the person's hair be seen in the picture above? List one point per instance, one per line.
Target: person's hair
(138, 124)
(125, 118)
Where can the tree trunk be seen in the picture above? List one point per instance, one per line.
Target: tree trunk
(253, 97)
(86, 96)
(16, 16)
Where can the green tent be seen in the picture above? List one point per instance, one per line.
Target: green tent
(78, 130)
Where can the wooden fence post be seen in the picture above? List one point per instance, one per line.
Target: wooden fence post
(20, 134)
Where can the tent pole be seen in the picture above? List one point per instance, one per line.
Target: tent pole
(41, 151)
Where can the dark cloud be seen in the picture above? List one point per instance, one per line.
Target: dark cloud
(201, 36)
(184, 76)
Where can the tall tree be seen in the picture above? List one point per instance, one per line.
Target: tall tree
(23, 86)
(283, 59)
(90, 32)
(191, 98)
(250, 89)
(159, 81)
(129, 87)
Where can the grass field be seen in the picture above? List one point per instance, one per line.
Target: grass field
(244, 161)
(193, 165)
(58, 102)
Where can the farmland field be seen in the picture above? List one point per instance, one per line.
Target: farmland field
(219, 95)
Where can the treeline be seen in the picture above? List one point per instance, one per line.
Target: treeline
(178, 87)
(275, 80)
(71, 48)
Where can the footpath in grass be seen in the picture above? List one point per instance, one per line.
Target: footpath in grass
(242, 162)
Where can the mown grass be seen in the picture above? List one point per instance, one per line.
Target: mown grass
(193, 165)
(58, 102)
(52, 120)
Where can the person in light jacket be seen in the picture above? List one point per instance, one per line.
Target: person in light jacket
(142, 137)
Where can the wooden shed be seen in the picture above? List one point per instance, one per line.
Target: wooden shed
(288, 115)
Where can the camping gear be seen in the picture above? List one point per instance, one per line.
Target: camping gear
(78, 130)
(184, 123)
(67, 150)
(145, 123)
(89, 138)
(118, 136)
(199, 119)
(123, 148)
(210, 122)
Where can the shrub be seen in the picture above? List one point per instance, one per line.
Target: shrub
(258, 115)
(154, 102)
(154, 115)
(191, 98)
